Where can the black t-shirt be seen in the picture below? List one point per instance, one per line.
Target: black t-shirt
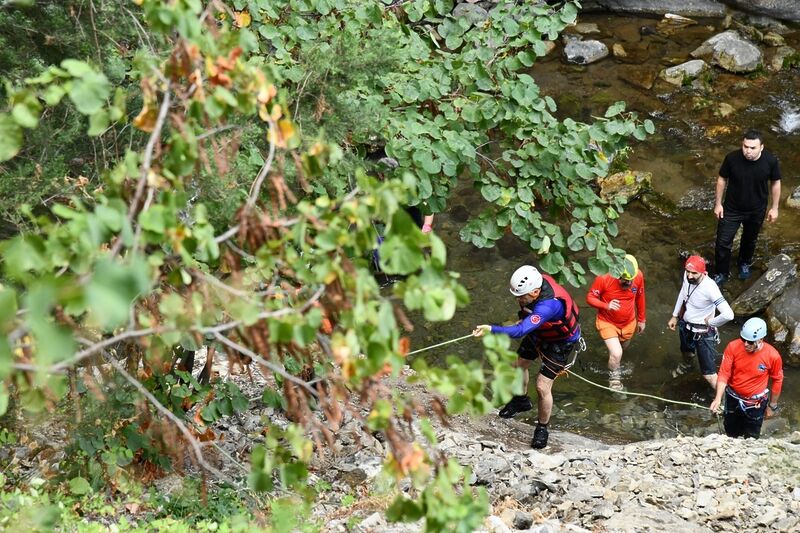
(748, 181)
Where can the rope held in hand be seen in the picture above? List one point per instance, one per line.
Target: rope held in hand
(440, 344)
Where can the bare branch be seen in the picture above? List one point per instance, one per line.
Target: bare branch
(146, 164)
(256, 187)
(198, 453)
(210, 133)
(94, 347)
(269, 364)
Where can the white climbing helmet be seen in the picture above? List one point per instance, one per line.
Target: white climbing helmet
(524, 280)
(754, 329)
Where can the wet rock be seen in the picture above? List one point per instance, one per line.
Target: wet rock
(793, 200)
(781, 271)
(773, 39)
(585, 28)
(474, 13)
(626, 185)
(659, 204)
(731, 52)
(784, 322)
(679, 74)
(698, 198)
(776, 63)
(641, 77)
(686, 8)
(724, 109)
(672, 23)
(779, 9)
(585, 52)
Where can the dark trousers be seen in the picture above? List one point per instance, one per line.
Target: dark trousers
(726, 230)
(742, 422)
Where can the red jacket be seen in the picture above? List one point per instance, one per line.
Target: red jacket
(631, 299)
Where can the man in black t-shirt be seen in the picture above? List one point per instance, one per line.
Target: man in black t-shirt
(747, 178)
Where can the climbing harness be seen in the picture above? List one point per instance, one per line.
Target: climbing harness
(751, 402)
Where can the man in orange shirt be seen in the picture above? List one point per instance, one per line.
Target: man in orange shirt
(620, 304)
(747, 366)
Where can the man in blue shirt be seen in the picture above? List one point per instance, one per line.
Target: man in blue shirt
(550, 329)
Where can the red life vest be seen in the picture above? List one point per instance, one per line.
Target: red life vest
(566, 326)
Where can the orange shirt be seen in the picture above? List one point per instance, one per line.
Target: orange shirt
(748, 373)
(631, 299)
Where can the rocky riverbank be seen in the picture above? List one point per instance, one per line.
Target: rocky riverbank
(687, 484)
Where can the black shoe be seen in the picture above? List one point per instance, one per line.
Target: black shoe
(744, 272)
(540, 435)
(517, 404)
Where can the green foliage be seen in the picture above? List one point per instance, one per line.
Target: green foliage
(448, 503)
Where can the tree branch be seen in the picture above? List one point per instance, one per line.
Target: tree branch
(198, 453)
(256, 187)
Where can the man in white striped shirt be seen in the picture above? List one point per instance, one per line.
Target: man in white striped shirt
(696, 318)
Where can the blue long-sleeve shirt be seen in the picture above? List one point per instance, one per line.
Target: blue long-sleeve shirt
(544, 311)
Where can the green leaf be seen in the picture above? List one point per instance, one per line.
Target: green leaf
(26, 115)
(10, 137)
(53, 94)
(153, 219)
(615, 109)
(8, 305)
(98, 123)
(552, 262)
(89, 93)
(79, 486)
(77, 68)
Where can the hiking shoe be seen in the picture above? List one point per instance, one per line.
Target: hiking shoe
(719, 279)
(744, 271)
(682, 369)
(518, 404)
(540, 435)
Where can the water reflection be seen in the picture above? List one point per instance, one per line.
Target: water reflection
(684, 155)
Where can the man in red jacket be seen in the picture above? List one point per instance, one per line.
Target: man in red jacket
(620, 304)
(747, 366)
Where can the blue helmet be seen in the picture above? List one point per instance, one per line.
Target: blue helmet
(754, 329)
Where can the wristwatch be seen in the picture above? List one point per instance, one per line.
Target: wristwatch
(774, 407)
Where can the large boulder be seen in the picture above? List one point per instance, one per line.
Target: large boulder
(779, 9)
(781, 271)
(730, 51)
(585, 52)
(688, 71)
(687, 8)
(784, 322)
(627, 185)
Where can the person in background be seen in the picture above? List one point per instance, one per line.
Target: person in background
(748, 364)
(694, 316)
(620, 304)
(747, 178)
(550, 327)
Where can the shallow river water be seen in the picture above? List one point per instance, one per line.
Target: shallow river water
(684, 156)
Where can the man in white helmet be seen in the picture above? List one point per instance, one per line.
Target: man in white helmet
(747, 366)
(550, 327)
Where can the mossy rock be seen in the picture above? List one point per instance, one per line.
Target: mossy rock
(627, 185)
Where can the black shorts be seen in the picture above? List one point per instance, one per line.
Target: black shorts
(554, 354)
